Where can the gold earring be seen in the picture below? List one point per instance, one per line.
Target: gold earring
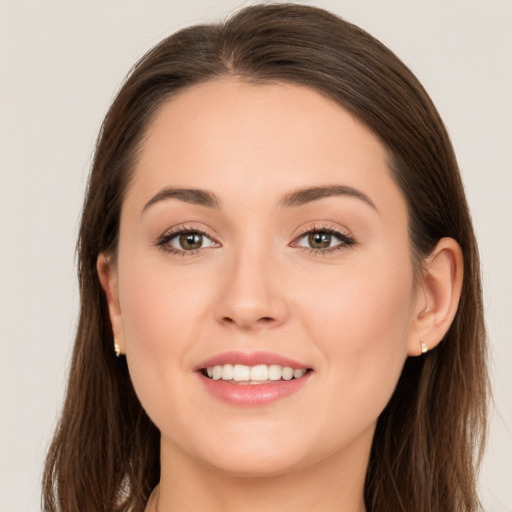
(117, 349)
(424, 348)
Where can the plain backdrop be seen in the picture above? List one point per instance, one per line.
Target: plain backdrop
(61, 63)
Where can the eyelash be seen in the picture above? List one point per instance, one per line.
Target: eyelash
(346, 240)
(163, 241)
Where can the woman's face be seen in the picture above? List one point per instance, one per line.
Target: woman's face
(263, 229)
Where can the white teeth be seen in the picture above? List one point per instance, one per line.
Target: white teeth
(217, 372)
(275, 372)
(241, 372)
(259, 373)
(298, 373)
(227, 372)
(287, 373)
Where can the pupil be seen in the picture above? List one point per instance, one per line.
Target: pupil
(191, 241)
(319, 240)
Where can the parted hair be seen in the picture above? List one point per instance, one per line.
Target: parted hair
(105, 452)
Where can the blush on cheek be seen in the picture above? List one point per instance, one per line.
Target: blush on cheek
(363, 324)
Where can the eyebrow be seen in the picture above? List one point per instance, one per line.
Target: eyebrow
(187, 195)
(307, 195)
(295, 198)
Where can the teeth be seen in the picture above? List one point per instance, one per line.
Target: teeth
(258, 373)
(227, 372)
(287, 373)
(298, 373)
(275, 372)
(241, 373)
(217, 372)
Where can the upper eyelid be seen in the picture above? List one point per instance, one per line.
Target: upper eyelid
(209, 233)
(164, 239)
(182, 228)
(323, 227)
(343, 234)
(163, 243)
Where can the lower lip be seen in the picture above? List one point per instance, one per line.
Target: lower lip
(253, 394)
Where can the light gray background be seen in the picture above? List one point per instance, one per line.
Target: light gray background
(60, 65)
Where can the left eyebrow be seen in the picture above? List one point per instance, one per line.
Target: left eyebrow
(308, 195)
(187, 195)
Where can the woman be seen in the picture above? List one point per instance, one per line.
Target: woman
(280, 307)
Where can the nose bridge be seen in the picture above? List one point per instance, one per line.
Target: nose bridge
(252, 295)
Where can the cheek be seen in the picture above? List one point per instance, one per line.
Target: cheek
(161, 319)
(361, 324)
(369, 312)
(364, 302)
(147, 308)
(160, 304)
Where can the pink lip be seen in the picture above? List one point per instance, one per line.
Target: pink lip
(250, 359)
(251, 394)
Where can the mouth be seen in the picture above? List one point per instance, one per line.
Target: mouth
(253, 375)
(253, 379)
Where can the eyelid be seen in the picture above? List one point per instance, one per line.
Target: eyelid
(163, 240)
(324, 226)
(343, 234)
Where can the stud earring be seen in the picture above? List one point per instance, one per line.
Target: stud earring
(117, 349)
(424, 348)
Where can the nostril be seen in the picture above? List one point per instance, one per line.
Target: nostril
(263, 319)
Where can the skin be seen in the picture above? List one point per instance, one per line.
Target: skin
(353, 313)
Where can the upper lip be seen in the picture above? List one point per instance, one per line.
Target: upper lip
(251, 359)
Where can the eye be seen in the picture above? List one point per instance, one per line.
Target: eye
(185, 240)
(320, 240)
(324, 240)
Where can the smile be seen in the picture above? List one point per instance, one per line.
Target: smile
(259, 374)
(252, 379)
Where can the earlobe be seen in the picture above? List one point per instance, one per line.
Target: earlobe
(439, 296)
(107, 275)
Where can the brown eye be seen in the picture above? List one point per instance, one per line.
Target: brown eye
(324, 240)
(319, 240)
(190, 241)
(186, 241)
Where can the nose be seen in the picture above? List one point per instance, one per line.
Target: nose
(253, 295)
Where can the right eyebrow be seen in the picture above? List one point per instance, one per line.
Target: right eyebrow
(308, 195)
(187, 195)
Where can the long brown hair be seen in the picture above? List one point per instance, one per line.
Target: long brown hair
(105, 453)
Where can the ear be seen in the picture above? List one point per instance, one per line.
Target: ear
(438, 296)
(107, 274)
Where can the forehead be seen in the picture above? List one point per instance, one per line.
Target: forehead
(254, 140)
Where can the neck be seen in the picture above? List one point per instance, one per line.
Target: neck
(187, 485)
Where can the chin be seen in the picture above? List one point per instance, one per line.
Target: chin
(264, 466)
(259, 455)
